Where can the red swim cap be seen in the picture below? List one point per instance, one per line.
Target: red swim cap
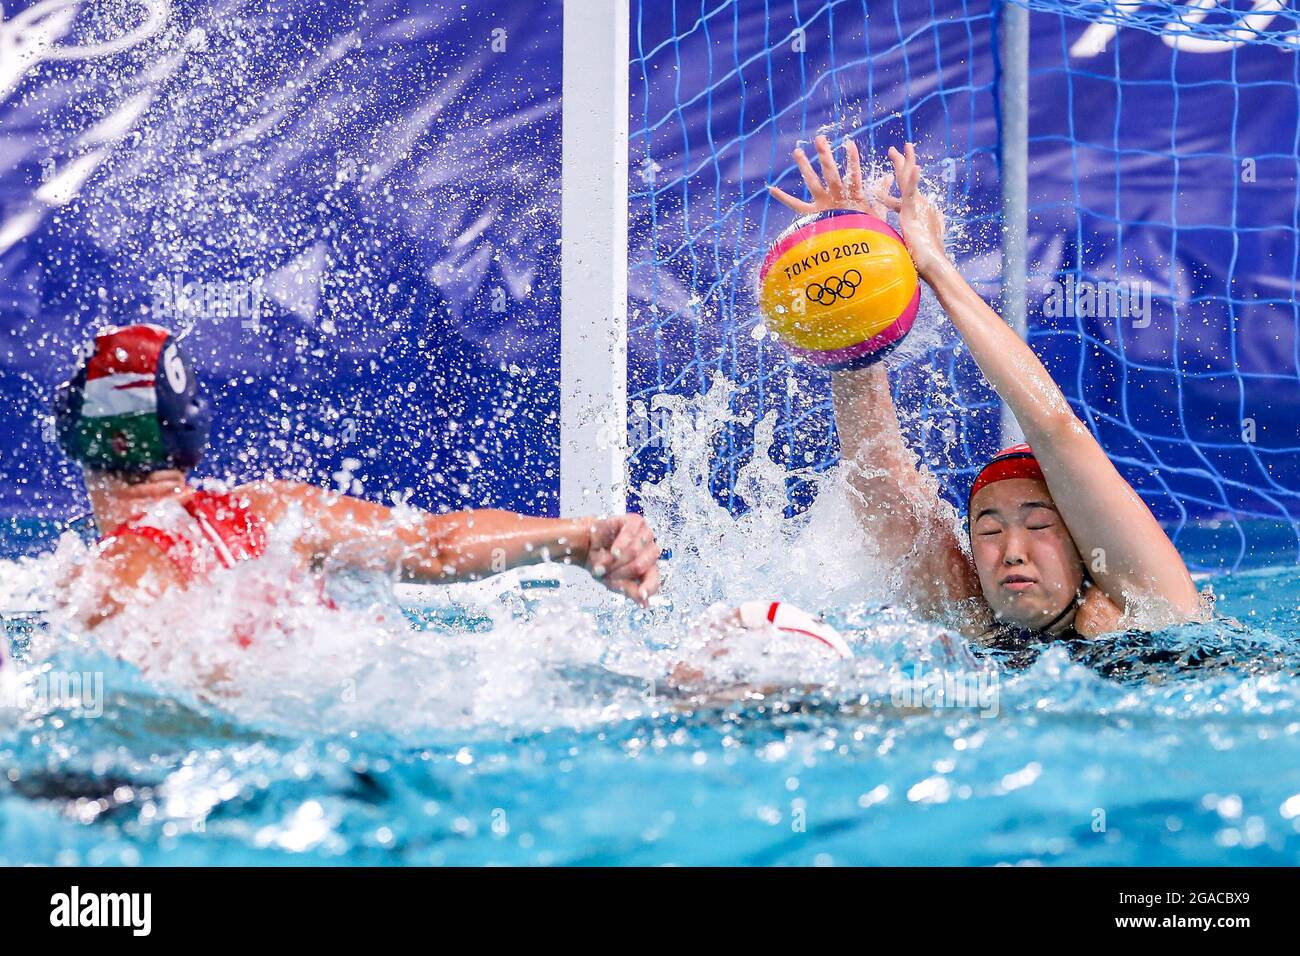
(1018, 461)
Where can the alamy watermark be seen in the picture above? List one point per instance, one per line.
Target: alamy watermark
(931, 690)
(644, 428)
(80, 692)
(1104, 298)
(74, 908)
(184, 299)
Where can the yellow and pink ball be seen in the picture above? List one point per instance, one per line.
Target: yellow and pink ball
(839, 289)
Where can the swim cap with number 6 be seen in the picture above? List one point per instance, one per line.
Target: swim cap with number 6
(132, 404)
(839, 289)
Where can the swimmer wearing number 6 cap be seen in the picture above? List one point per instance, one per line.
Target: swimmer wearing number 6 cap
(1057, 541)
(133, 416)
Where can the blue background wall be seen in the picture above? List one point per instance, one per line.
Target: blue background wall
(390, 176)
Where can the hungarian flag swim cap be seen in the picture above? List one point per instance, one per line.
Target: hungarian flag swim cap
(1018, 461)
(133, 404)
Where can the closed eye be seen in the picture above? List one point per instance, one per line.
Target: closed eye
(1040, 518)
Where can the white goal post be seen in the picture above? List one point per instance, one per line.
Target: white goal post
(593, 258)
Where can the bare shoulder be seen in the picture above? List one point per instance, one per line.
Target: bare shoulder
(275, 490)
(273, 499)
(323, 520)
(1098, 614)
(128, 570)
(132, 560)
(282, 492)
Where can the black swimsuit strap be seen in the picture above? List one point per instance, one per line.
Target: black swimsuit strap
(1010, 632)
(1060, 617)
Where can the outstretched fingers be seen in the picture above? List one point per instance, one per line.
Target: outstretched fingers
(810, 178)
(913, 166)
(881, 193)
(791, 202)
(907, 172)
(900, 166)
(853, 165)
(830, 188)
(830, 171)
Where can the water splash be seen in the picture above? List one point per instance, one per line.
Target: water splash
(812, 559)
(538, 663)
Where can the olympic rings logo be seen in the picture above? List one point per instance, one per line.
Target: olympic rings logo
(836, 287)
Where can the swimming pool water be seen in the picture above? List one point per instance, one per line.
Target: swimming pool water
(1176, 748)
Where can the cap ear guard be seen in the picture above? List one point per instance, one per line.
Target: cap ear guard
(68, 399)
(187, 437)
(184, 416)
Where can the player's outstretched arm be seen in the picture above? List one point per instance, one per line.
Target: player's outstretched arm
(898, 505)
(619, 551)
(1129, 554)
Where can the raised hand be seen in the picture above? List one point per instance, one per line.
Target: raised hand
(922, 223)
(622, 554)
(836, 191)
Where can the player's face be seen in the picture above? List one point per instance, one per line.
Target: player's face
(1028, 565)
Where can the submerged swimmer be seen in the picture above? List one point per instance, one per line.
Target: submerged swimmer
(1059, 545)
(132, 416)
